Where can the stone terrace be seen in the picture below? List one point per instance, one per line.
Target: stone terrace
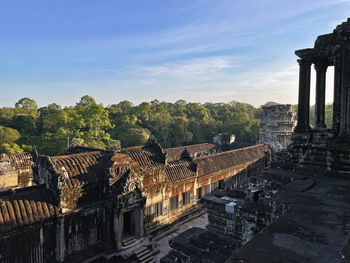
(314, 229)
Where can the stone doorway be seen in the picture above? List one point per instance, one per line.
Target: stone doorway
(131, 227)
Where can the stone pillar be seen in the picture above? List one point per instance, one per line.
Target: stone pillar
(60, 250)
(321, 69)
(304, 96)
(338, 70)
(344, 134)
(340, 148)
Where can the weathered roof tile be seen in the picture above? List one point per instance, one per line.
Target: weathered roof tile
(82, 168)
(179, 170)
(145, 156)
(221, 161)
(193, 150)
(27, 206)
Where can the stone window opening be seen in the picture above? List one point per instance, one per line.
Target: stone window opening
(186, 198)
(158, 209)
(174, 202)
(214, 186)
(221, 184)
(149, 215)
(199, 192)
(207, 189)
(153, 211)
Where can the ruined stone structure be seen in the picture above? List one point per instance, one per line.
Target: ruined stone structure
(235, 216)
(16, 170)
(276, 126)
(325, 147)
(104, 206)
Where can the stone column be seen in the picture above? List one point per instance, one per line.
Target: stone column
(338, 66)
(344, 134)
(304, 96)
(321, 69)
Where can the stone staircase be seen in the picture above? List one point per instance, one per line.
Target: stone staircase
(145, 254)
(128, 241)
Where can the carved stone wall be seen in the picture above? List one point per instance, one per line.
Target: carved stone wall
(276, 126)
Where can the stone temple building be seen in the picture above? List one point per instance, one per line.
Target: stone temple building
(276, 126)
(90, 205)
(325, 147)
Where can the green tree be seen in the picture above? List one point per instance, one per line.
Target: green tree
(93, 121)
(8, 139)
(26, 106)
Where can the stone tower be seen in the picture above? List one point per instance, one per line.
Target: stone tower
(276, 126)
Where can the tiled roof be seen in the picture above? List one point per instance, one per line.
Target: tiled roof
(145, 156)
(221, 161)
(19, 160)
(193, 150)
(82, 168)
(26, 206)
(178, 170)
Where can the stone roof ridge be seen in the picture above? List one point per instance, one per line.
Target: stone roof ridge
(56, 157)
(83, 149)
(130, 148)
(231, 151)
(193, 150)
(188, 146)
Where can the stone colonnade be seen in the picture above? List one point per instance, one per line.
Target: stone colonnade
(341, 103)
(324, 148)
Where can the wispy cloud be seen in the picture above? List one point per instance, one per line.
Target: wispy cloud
(200, 51)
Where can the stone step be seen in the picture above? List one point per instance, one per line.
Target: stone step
(142, 253)
(139, 250)
(128, 241)
(149, 260)
(145, 257)
(151, 226)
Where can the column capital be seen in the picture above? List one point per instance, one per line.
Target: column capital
(321, 65)
(304, 61)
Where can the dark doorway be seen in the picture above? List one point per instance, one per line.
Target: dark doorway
(128, 224)
(129, 228)
(222, 184)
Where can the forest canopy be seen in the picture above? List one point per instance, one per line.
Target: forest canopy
(53, 128)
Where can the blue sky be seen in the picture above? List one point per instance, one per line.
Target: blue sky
(140, 50)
